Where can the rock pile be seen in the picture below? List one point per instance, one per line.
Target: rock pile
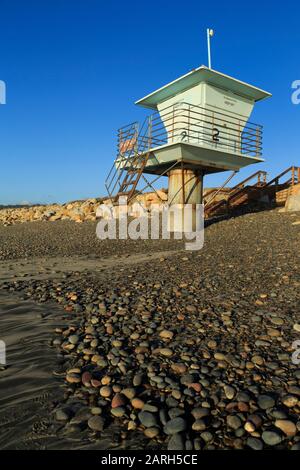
(89, 209)
(78, 211)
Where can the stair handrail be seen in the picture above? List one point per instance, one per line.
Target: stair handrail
(238, 188)
(241, 184)
(142, 145)
(277, 178)
(116, 167)
(221, 187)
(249, 178)
(118, 164)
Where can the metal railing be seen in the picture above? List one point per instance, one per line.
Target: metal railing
(131, 159)
(187, 123)
(181, 122)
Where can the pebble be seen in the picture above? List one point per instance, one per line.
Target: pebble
(229, 392)
(148, 419)
(86, 378)
(273, 332)
(61, 415)
(151, 408)
(166, 334)
(131, 426)
(167, 352)
(254, 443)
(191, 309)
(277, 321)
(286, 426)
(199, 413)
(105, 391)
(137, 380)
(151, 432)
(265, 402)
(73, 339)
(106, 380)
(290, 401)
(179, 368)
(83, 415)
(233, 422)
(199, 425)
(118, 412)
(96, 423)
(73, 378)
(294, 390)
(175, 426)
(176, 442)
(207, 436)
(137, 403)
(117, 401)
(96, 410)
(258, 360)
(129, 393)
(249, 426)
(220, 356)
(271, 438)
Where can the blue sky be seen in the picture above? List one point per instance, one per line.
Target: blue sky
(73, 69)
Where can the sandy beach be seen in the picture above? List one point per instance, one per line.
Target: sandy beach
(142, 344)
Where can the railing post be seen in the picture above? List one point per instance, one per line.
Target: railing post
(173, 117)
(189, 117)
(119, 142)
(149, 131)
(257, 141)
(293, 175)
(136, 145)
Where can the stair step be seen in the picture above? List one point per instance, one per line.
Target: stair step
(129, 183)
(122, 193)
(132, 172)
(129, 176)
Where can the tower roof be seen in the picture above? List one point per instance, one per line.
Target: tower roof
(196, 76)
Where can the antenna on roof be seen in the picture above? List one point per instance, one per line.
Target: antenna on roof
(210, 33)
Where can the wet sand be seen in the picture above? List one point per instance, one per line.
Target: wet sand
(27, 385)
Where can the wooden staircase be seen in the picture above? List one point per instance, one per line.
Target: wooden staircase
(243, 193)
(238, 195)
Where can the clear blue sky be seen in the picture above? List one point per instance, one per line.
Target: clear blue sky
(73, 69)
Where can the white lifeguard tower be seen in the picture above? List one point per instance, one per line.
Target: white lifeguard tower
(200, 125)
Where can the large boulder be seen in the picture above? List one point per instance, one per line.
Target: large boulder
(292, 203)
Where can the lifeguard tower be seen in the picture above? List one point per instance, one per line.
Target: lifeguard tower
(200, 125)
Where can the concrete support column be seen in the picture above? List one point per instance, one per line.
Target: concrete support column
(185, 187)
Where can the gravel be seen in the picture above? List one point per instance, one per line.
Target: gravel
(193, 350)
